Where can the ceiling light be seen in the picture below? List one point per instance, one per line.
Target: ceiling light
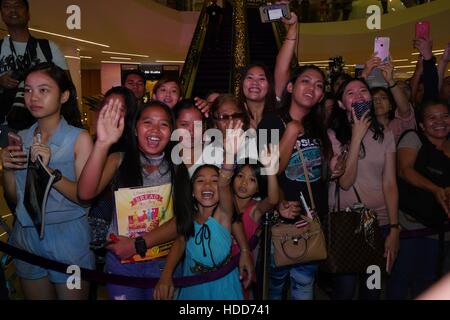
(169, 61)
(120, 62)
(6, 216)
(434, 51)
(120, 58)
(400, 60)
(310, 62)
(72, 57)
(398, 67)
(414, 62)
(71, 38)
(85, 57)
(126, 54)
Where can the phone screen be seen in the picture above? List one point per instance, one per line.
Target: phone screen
(14, 139)
(275, 14)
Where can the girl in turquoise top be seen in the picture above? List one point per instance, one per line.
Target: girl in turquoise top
(204, 235)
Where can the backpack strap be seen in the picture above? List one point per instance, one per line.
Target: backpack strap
(44, 44)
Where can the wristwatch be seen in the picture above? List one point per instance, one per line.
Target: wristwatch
(57, 174)
(140, 246)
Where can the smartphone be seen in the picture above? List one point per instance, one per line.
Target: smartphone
(361, 107)
(423, 29)
(381, 47)
(274, 12)
(14, 140)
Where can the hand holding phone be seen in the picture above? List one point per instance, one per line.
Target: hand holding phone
(381, 48)
(422, 29)
(361, 108)
(15, 140)
(274, 12)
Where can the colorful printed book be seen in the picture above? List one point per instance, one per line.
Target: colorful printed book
(141, 210)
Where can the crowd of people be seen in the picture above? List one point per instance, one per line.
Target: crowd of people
(231, 173)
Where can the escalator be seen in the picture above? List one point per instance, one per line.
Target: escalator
(262, 44)
(215, 63)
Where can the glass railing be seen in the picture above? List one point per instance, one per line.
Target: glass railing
(189, 73)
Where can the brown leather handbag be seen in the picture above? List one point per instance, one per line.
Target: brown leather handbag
(354, 238)
(293, 244)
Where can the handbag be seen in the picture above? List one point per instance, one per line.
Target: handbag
(354, 239)
(293, 244)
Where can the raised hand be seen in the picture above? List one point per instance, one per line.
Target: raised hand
(110, 123)
(387, 70)
(425, 46)
(270, 159)
(203, 106)
(371, 64)
(234, 139)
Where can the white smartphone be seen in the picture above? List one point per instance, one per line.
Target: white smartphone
(381, 47)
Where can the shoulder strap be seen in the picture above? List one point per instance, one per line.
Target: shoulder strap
(44, 44)
(405, 133)
(1, 45)
(306, 173)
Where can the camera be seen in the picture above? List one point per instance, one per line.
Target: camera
(274, 12)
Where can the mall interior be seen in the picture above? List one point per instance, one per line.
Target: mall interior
(103, 39)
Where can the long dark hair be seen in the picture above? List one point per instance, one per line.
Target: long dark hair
(342, 127)
(130, 171)
(314, 121)
(69, 109)
(270, 98)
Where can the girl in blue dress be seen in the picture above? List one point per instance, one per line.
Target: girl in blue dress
(204, 235)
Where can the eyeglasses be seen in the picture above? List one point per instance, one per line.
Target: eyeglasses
(229, 117)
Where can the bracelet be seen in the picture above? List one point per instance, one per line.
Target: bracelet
(394, 225)
(290, 39)
(245, 250)
(395, 83)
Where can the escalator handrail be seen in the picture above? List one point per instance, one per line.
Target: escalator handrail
(189, 73)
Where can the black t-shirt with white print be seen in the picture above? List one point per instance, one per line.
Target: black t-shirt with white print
(292, 181)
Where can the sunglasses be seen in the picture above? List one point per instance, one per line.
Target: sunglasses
(229, 117)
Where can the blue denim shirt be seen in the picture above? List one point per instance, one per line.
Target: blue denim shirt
(59, 208)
